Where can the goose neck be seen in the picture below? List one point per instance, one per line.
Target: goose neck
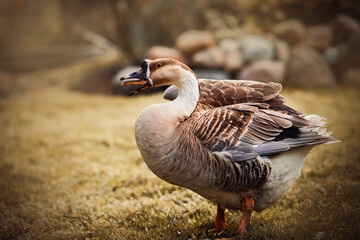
(188, 94)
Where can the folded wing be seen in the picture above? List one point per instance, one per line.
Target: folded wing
(249, 130)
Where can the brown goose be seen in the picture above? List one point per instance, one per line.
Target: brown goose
(233, 142)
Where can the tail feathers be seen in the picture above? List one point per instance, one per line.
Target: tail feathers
(314, 133)
(309, 139)
(316, 124)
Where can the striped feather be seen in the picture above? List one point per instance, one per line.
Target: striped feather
(214, 93)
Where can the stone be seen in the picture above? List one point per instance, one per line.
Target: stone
(210, 58)
(307, 68)
(211, 74)
(292, 31)
(233, 57)
(233, 61)
(165, 52)
(320, 37)
(351, 77)
(344, 27)
(226, 32)
(321, 235)
(348, 55)
(282, 49)
(331, 54)
(228, 45)
(192, 41)
(264, 71)
(254, 48)
(351, 51)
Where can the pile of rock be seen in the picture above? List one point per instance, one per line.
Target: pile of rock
(314, 56)
(321, 55)
(246, 57)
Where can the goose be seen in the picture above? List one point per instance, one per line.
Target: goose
(234, 142)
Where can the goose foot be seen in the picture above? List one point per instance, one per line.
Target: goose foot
(247, 209)
(219, 222)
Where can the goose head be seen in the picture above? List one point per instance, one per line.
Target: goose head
(156, 73)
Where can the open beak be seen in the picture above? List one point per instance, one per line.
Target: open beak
(136, 78)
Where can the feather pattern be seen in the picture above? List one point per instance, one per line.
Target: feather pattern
(221, 128)
(216, 93)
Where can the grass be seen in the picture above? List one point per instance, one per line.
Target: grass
(70, 169)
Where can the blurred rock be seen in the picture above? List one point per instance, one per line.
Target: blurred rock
(254, 48)
(320, 37)
(292, 31)
(307, 68)
(321, 235)
(264, 71)
(233, 61)
(344, 27)
(282, 49)
(348, 55)
(213, 57)
(211, 74)
(233, 58)
(192, 41)
(165, 52)
(351, 77)
(331, 54)
(228, 45)
(225, 32)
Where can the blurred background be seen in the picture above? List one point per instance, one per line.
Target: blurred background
(69, 164)
(303, 43)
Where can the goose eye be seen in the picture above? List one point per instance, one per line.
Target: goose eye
(158, 65)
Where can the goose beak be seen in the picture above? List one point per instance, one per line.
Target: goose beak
(136, 78)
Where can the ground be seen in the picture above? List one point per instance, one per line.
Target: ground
(70, 169)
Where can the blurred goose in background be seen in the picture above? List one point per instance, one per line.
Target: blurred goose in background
(233, 142)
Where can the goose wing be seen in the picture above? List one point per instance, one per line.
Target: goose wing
(241, 136)
(216, 93)
(247, 128)
(227, 92)
(232, 134)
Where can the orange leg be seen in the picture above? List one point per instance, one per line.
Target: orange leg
(219, 221)
(247, 209)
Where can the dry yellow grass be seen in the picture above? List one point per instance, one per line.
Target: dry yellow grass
(70, 169)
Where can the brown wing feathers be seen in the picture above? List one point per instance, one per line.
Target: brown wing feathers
(226, 127)
(249, 121)
(240, 119)
(221, 93)
(214, 93)
(220, 128)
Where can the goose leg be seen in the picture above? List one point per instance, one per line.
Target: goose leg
(219, 221)
(247, 209)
